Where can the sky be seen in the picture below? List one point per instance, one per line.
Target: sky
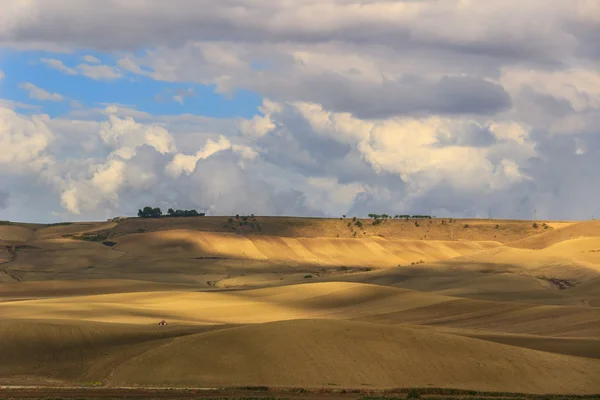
(452, 108)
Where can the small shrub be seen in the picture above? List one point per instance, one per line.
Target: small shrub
(535, 225)
(413, 394)
(466, 226)
(416, 224)
(141, 230)
(497, 226)
(307, 276)
(354, 234)
(230, 220)
(354, 219)
(109, 243)
(349, 224)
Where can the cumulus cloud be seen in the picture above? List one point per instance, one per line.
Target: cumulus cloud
(187, 163)
(24, 140)
(121, 133)
(38, 93)
(259, 125)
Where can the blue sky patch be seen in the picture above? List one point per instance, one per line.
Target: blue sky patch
(141, 92)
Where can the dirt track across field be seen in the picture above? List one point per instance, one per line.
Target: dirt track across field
(265, 393)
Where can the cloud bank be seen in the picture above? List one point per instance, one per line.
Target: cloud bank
(439, 107)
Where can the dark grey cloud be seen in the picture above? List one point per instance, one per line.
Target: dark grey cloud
(410, 96)
(555, 106)
(115, 25)
(3, 199)
(472, 135)
(296, 146)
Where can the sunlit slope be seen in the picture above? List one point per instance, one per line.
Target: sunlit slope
(503, 231)
(330, 300)
(10, 291)
(549, 237)
(377, 251)
(565, 273)
(318, 353)
(576, 259)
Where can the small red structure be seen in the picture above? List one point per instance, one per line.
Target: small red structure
(163, 322)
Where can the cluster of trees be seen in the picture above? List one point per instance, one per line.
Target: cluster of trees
(358, 223)
(156, 212)
(403, 216)
(184, 213)
(242, 220)
(150, 212)
(379, 216)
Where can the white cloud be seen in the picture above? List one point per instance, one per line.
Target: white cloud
(58, 64)
(41, 94)
(125, 132)
(182, 94)
(24, 140)
(1, 75)
(187, 163)
(91, 59)
(259, 125)
(99, 72)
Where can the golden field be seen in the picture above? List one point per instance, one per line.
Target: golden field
(490, 305)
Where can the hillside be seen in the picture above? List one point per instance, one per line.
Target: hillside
(433, 229)
(300, 302)
(550, 237)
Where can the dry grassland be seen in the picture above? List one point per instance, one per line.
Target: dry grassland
(486, 305)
